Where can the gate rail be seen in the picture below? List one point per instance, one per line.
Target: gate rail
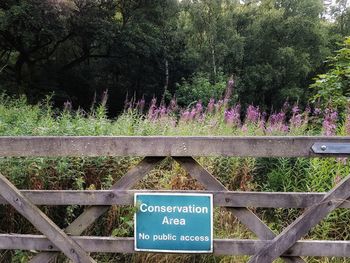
(286, 245)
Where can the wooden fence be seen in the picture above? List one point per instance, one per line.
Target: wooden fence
(183, 150)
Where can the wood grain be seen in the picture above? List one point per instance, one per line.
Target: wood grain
(234, 247)
(302, 225)
(42, 223)
(266, 146)
(92, 213)
(243, 214)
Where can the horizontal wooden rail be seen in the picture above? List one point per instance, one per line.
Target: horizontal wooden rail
(263, 146)
(236, 247)
(126, 197)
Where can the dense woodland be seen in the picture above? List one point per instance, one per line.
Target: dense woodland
(79, 49)
(174, 68)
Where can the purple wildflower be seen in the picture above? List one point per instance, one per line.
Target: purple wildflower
(347, 124)
(163, 111)
(295, 109)
(172, 105)
(232, 116)
(277, 123)
(185, 116)
(218, 105)
(193, 114)
(308, 110)
(211, 104)
(317, 111)
(153, 111)
(199, 108)
(296, 119)
(253, 114)
(330, 122)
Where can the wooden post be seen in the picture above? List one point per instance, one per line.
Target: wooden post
(91, 214)
(244, 215)
(42, 223)
(311, 217)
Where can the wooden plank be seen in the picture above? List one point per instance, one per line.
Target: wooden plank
(268, 146)
(236, 247)
(304, 223)
(244, 215)
(224, 199)
(42, 223)
(91, 214)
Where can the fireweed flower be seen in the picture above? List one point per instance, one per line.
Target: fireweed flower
(153, 111)
(192, 114)
(277, 123)
(218, 105)
(296, 119)
(163, 111)
(295, 109)
(211, 105)
(317, 111)
(308, 110)
(329, 124)
(253, 114)
(185, 116)
(199, 109)
(172, 105)
(232, 116)
(347, 124)
(244, 128)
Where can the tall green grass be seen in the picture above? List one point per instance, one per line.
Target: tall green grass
(17, 117)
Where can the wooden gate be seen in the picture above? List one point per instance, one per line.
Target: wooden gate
(286, 245)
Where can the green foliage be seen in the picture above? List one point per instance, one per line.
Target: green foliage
(81, 48)
(200, 87)
(333, 88)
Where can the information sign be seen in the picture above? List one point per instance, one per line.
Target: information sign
(174, 222)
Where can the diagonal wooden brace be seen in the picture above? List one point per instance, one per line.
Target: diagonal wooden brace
(92, 213)
(302, 225)
(42, 223)
(244, 215)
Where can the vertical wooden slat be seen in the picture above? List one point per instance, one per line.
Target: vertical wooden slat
(244, 215)
(91, 214)
(42, 223)
(311, 217)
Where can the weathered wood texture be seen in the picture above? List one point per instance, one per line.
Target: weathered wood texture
(317, 248)
(275, 146)
(285, 245)
(243, 214)
(126, 197)
(42, 223)
(91, 214)
(301, 226)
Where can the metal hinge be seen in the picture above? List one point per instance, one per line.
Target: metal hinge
(331, 148)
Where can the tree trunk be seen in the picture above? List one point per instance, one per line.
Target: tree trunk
(166, 84)
(18, 73)
(213, 60)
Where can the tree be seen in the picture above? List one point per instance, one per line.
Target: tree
(333, 88)
(285, 45)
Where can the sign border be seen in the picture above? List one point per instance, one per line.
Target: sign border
(211, 197)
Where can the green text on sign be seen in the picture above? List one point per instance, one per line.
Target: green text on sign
(174, 222)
